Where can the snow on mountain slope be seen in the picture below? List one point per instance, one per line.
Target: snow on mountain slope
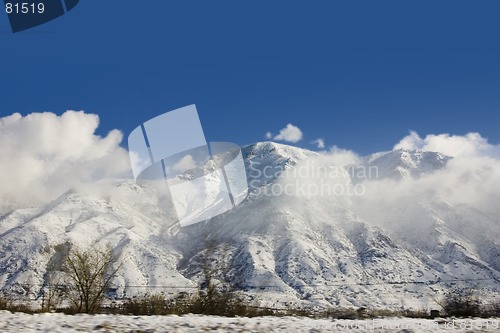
(266, 161)
(399, 163)
(323, 250)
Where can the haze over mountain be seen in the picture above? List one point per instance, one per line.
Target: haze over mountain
(391, 229)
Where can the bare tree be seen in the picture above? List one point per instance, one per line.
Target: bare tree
(89, 272)
(461, 302)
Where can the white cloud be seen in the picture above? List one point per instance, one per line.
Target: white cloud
(340, 156)
(464, 194)
(470, 179)
(269, 135)
(471, 144)
(465, 181)
(44, 155)
(320, 143)
(185, 163)
(290, 133)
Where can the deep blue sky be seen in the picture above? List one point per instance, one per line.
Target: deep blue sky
(359, 74)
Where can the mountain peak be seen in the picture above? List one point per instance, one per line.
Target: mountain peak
(285, 246)
(272, 157)
(401, 163)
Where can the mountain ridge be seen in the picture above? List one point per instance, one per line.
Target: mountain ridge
(284, 248)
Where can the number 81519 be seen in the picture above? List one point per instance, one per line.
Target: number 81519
(24, 8)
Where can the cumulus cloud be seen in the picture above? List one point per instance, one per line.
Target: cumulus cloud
(343, 157)
(460, 197)
(290, 133)
(269, 135)
(320, 143)
(185, 163)
(463, 195)
(471, 144)
(44, 155)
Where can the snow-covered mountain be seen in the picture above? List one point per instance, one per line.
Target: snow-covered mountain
(324, 250)
(402, 163)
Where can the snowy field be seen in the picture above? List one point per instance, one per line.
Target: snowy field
(55, 322)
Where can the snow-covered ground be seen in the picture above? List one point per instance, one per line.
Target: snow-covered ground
(56, 322)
